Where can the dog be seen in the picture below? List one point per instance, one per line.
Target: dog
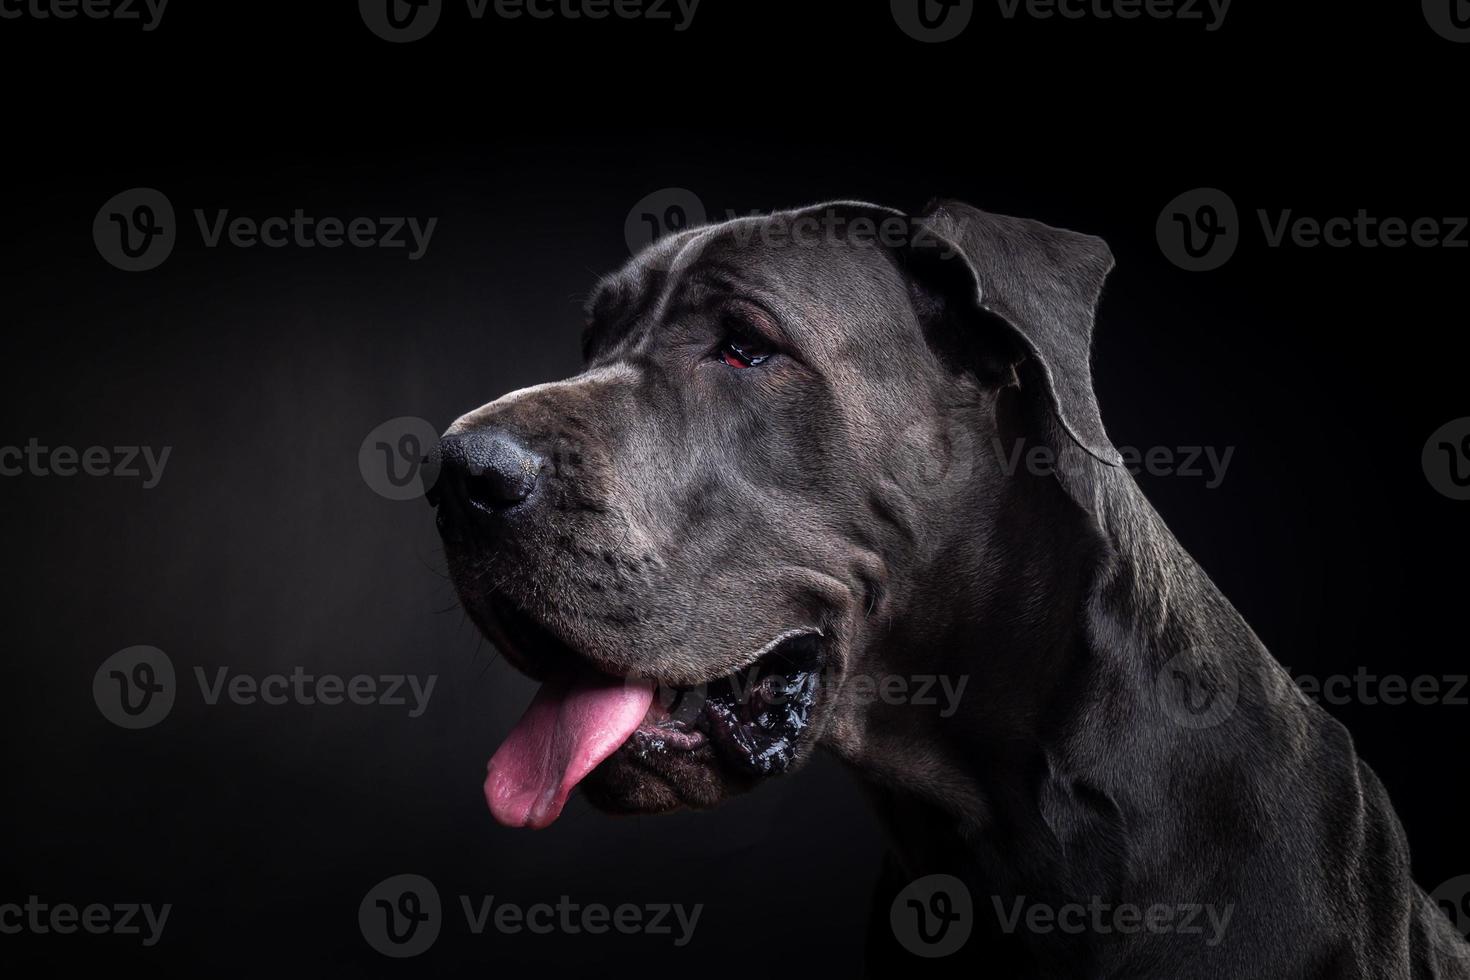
(781, 484)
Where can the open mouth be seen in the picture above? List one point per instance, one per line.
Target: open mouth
(750, 722)
(752, 718)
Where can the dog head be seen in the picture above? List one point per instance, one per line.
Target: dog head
(753, 490)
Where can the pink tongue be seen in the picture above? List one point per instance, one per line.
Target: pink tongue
(566, 733)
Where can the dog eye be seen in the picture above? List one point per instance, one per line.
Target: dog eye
(741, 353)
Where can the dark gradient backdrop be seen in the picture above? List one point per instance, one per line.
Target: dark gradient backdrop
(263, 548)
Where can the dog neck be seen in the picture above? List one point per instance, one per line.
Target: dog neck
(1059, 765)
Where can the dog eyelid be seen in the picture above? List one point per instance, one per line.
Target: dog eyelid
(751, 322)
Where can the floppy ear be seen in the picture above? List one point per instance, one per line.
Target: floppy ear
(1044, 283)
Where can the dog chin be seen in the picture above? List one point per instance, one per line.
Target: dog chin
(634, 783)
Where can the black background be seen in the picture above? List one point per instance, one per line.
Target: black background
(263, 548)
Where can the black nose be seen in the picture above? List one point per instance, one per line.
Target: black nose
(485, 471)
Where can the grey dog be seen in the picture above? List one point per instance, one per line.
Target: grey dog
(780, 490)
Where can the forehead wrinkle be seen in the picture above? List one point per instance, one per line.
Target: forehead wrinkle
(716, 258)
(715, 279)
(634, 288)
(685, 258)
(693, 265)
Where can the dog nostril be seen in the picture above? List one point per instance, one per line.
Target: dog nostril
(486, 470)
(497, 488)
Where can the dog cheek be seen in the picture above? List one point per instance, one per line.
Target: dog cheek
(844, 734)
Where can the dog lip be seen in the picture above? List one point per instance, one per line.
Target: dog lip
(683, 680)
(755, 719)
(793, 634)
(658, 738)
(503, 619)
